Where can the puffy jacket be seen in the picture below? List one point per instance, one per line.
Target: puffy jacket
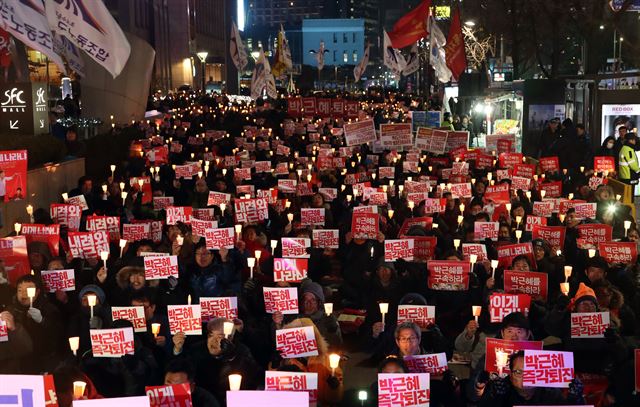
(627, 162)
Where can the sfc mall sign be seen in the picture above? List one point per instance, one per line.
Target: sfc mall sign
(24, 108)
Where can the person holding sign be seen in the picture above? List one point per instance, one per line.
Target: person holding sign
(180, 371)
(15, 345)
(212, 275)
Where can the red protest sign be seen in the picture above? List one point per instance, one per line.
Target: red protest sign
(543, 208)
(498, 194)
(501, 305)
(13, 251)
(425, 222)
(162, 202)
(199, 227)
(509, 160)
(423, 248)
(290, 270)
(13, 168)
(135, 315)
(422, 315)
(283, 300)
(364, 225)
(619, 252)
(386, 172)
(461, 190)
(549, 164)
(54, 280)
(553, 234)
(361, 132)
(593, 234)
(132, 232)
(636, 354)
(546, 368)
(403, 386)
(395, 249)
(218, 307)
(589, 324)
(160, 267)
(173, 395)
(480, 250)
(4, 332)
(585, 210)
(526, 282)
(66, 215)
(292, 381)
(177, 214)
(88, 245)
(109, 223)
(325, 238)
(294, 106)
(49, 234)
(434, 364)
(447, 275)
(604, 163)
(534, 221)
(295, 247)
(217, 198)
(485, 230)
(552, 189)
(507, 253)
(520, 183)
(312, 216)
(524, 170)
(509, 347)
(296, 342)
(111, 343)
(185, 318)
(251, 210)
(219, 238)
(432, 205)
(456, 139)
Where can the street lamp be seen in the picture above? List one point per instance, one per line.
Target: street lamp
(202, 56)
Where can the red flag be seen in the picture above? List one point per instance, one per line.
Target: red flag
(454, 50)
(411, 27)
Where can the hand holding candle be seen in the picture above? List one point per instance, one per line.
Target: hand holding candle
(91, 301)
(476, 310)
(384, 308)
(155, 329)
(235, 381)
(328, 308)
(78, 390)
(334, 363)
(74, 344)
(494, 266)
(251, 262)
(227, 329)
(31, 293)
(567, 273)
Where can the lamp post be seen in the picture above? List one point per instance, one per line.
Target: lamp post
(202, 56)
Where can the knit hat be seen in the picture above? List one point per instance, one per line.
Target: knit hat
(313, 288)
(584, 293)
(92, 288)
(516, 320)
(413, 299)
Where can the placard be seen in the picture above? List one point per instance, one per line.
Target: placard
(174, 395)
(425, 222)
(218, 307)
(543, 208)
(546, 368)
(13, 252)
(589, 324)
(293, 381)
(111, 343)
(296, 342)
(177, 214)
(251, 210)
(461, 190)
(395, 249)
(396, 135)
(590, 235)
(552, 234)
(485, 230)
(22, 390)
(494, 345)
(217, 198)
(403, 389)
(498, 194)
(290, 270)
(501, 305)
(13, 174)
(549, 164)
(4, 332)
(422, 315)
(133, 232)
(360, 132)
(552, 189)
(284, 300)
(219, 238)
(435, 363)
(66, 215)
(49, 234)
(138, 401)
(135, 315)
(295, 247)
(364, 225)
(585, 210)
(162, 202)
(78, 200)
(199, 227)
(54, 280)
(325, 238)
(185, 318)
(619, 252)
(423, 248)
(507, 253)
(246, 398)
(526, 282)
(88, 245)
(604, 163)
(111, 224)
(312, 216)
(160, 267)
(479, 249)
(447, 275)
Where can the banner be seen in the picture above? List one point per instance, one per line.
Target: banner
(13, 251)
(501, 305)
(590, 235)
(88, 245)
(364, 225)
(135, 315)
(589, 324)
(111, 343)
(448, 275)
(549, 164)
(526, 282)
(296, 342)
(360, 132)
(396, 135)
(395, 249)
(284, 300)
(362, 65)
(604, 164)
(177, 214)
(218, 307)
(219, 238)
(552, 234)
(49, 234)
(435, 363)
(13, 165)
(54, 280)
(185, 318)
(325, 238)
(546, 368)
(395, 389)
(290, 270)
(237, 49)
(251, 210)
(422, 315)
(160, 267)
(619, 252)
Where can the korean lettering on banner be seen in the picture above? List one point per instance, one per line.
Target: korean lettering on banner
(135, 315)
(360, 132)
(271, 195)
(177, 214)
(456, 139)
(478, 249)
(162, 202)
(585, 210)
(312, 216)
(251, 210)
(395, 249)
(243, 190)
(290, 270)
(54, 280)
(378, 198)
(218, 307)
(589, 324)
(506, 253)
(337, 108)
(422, 315)
(438, 141)
(403, 389)
(219, 238)
(324, 107)
(423, 138)
(546, 368)
(325, 238)
(604, 163)
(386, 172)
(296, 342)
(501, 305)
(295, 247)
(13, 186)
(423, 248)
(207, 214)
(185, 318)
(526, 282)
(494, 345)
(534, 221)
(132, 232)
(460, 168)
(66, 215)
(485, 230)
(509, 160)
(284, 300)
(78, 200)
(553, 234)
(425, 222)
(499, 193)
(364, 225)
(283, 150)
(524, 170)
(594, 234)
(4, 332)
(432, 205)
(504, 146)
(619, 252)
(294, 106)
(111, 343)
(484, 161)
(552, 189)
(217, 198)
(186, 171)
(520, 183)
(462, 190)
(109, 223)
(351, 108)
(13, 251)
(396, 135)
(160, 267)
(199, 227)
(292, 381)
(172, 395)
(262, 166)
(595, 182)
(549, 164)
(446, 275)
(543, 208)
(435, 363)
(240, 174)
(23, 391)
(504, 174)
(176, 147)
(410, 166)
(49, 234)
(88, 245)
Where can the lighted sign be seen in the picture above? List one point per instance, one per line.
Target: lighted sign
(24, 108)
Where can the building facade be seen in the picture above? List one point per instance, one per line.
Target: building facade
(343, 41)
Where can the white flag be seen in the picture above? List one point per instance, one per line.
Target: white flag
(437, 59)
(393, 59)
(320, 56)
(262, 78)
(362, 65)
(236, 47)
(27, 21)
(90, 27)
(71, 54)
(413, 63)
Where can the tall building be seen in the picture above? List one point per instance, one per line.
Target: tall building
(343, 41)
(269, 14)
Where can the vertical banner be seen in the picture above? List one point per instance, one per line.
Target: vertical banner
(13, 174)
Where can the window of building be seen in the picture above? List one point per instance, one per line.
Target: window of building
(355, 56)
(345, 57)
(344, 37)
(334, 56)
(353, 37)
(335, 38)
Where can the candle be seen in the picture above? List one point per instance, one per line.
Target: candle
(122, 185)
(384, 308)
(238, 229)
(558, 252)
(461, 208)
(349, 198)
(74, 344)
(400, 189)
(473, 258)
(501, 360)
(411, 205)
(113, 170)
(78, 390)
(189, 299)
(122, 244)
(235, 381)
(570, 196)
(564, 288)
(258, 254)
(371, 252)
(567, 273)
(17, 227)
(618, 196)
(65, 196)
(528, 194)
(31, 293)
(627, 225)
(29, 210)
(494, 266)
(290, 217)
(508, 207)
(104, 256)
(518, 235)
(475, 311)
(460, 219)
(274, 244)
(334, 362)
(489, 176)
(155, 329)
(362, 396)
(91, 300)
(123, 195)
(328, 308)
(390, 213)
(456, 243)
(179, 240)
(227, 328)
(592, 253)
(518, 220)
(251, 262)
(140, 183)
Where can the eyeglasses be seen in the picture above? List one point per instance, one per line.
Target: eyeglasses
(517, 372)
(408, 339)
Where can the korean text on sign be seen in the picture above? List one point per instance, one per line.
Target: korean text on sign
(292, 381)
(135, 315)
(435, 363)
(589, 324)
(283, 300)
(160, 267)
(219, 307)
(422, 315)
(88, 245)
(111, 343)
(184, 318)
(63, 280)
(543, 368)
(290, 270)
(403, 389)
(296, 342)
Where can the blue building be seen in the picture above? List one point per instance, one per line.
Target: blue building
(343, 39)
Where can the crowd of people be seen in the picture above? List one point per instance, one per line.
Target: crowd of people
(220, 135)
